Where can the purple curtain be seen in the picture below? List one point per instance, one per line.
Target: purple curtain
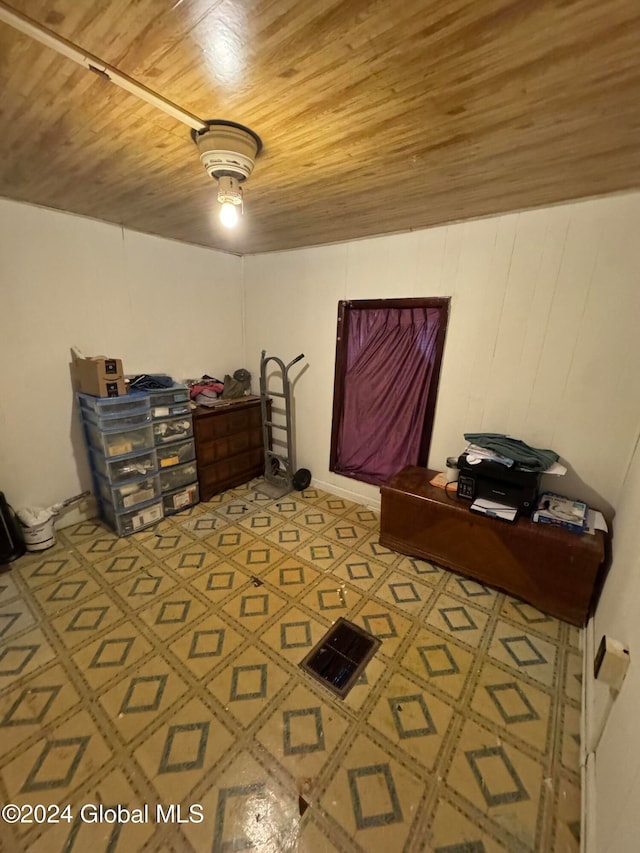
(390, 354)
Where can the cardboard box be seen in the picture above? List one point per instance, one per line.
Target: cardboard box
(99, 376)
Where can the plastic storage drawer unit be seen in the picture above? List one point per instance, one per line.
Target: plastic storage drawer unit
(173, 429)
(126, 523)
(176, 454)
(129, 495)
(116, 423)
(105, 407)
(181, 499)
(166, 396)
(121, 442)
(128, 468)
(175, 478)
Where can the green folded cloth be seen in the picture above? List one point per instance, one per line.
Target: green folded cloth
(533, 458)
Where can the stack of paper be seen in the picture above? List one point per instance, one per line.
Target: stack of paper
(494, 509)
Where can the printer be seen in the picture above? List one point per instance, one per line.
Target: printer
(512, 486)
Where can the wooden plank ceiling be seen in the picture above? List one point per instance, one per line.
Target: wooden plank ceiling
(376, 117)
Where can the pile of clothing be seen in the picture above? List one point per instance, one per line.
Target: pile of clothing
(207, 391)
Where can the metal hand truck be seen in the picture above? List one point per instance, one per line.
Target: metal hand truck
(280, 475)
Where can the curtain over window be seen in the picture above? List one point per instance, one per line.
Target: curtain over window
(390, 363)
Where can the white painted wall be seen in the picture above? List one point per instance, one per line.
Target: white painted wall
(542, 342)
(616, 794)
(160, 305)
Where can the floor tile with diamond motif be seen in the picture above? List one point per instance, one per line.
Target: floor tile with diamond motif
(206, 646)
(220, 581)
(294, 634)
(336, 505)
(22, 655)
(302, 734)
(43, 571)
(109, 657)
(173, 613)
(314, 519)
(516, 706)
(346, 532)
(572, 677)
(260, 522)
(358, 570)
(453, 832)
(235, 510)
(15, 618)
(9, 590)
(460, 620)
(246, 808)
(373, 798)
(530, 618)
(286, 507)
(66, 592)
(191, 560)
(438, 662)
(56, 763)
(125, 564)
(422, 570)
(571, 739)
(36, 703)
(530, 655)
(141, 588)
(387, 625)
(289, 536)
(86, 620)
(321, 553)
(257, 557)
(203, 524)
(567, 824)
(186, 747)
(253, 606)
(403, 593)
(372, 548)
(332, 597)
(415, 720)
(362, 689)
(135, 702)
(473, 592)
(229, 539)
(99, 547)
(292, 577)
(363, 516)
(498, 779)
(163, 543)
(111, 790)
(76, 534)
(247, 684)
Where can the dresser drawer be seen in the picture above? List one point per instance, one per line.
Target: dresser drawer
(234, 470)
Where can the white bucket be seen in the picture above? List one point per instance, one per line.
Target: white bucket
(40, 536)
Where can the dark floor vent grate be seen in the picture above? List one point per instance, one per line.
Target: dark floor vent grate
(340, 657)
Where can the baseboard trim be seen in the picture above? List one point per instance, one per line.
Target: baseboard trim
(370, 502)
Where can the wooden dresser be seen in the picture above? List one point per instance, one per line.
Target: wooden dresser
(229, 449)
(554, 569)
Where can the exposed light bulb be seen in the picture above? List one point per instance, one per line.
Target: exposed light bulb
(229, 215)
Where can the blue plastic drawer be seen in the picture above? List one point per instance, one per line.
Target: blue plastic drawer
(172, 429)
(128, 468)
(180, 499)
(118, 407)
(128, 496)
(121, 442)
(167, 396)
(171, 410)
(176, 454)
(126, 523)
(113, 423)
(176, 478)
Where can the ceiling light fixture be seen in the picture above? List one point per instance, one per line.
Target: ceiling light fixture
(228, 152)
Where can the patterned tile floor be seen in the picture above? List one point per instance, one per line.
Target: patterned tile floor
(163, 669)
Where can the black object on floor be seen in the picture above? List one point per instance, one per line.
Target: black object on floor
(338, 660)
